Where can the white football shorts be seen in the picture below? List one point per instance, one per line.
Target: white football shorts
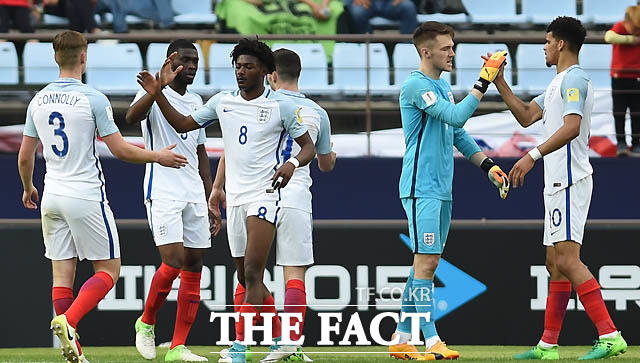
(73, 227)
(237, 222)
(173, 221)
(566, 212)
(294, 240)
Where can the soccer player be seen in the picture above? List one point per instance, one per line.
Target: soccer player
(254, 121)
(294, 247)
(567, 104)
(77, 222)
(176, 203)
(432, 125)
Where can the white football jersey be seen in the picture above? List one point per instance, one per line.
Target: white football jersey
(65, 116)
(252, 132)
(161, 182)
(297, 193)
(570, 92)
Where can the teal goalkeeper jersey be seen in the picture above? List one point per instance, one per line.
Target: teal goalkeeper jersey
(432, 125)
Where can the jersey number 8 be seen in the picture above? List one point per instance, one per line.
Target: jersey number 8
(59, 132)
(242, 139)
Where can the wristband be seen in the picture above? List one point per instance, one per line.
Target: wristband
(481, 85)
(487, 164)
(294, 161)
(535, 154)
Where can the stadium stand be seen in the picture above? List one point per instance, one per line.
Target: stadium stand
(314, 77)
(544, 11)
(9, 65)
(604, 12)
(194, 12)
(595, 59)
(350, 72)
(39, 65)
(493, 12)
(221, 74)
(532, 72)
(112, 68)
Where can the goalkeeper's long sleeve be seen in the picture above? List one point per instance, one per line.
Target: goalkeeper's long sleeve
(454, 114)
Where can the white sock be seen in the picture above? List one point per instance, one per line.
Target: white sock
(610, 335)
(402, 337)
(431, 342)
(546, 345)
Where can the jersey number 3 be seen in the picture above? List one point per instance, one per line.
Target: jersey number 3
(59, 132)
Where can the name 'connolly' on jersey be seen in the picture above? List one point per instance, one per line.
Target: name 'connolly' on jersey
(252, 132)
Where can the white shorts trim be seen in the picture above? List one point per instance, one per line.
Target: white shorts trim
(174, 221)
(566, 212)
(73, 227)
(237, 222)
(294, 238)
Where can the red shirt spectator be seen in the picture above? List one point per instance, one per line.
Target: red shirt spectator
(625, 56)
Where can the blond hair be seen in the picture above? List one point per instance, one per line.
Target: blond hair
(68, 46)
(632, 15)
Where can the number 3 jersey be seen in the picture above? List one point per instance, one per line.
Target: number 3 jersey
(161, 182)
(66, 115)
(252, 132)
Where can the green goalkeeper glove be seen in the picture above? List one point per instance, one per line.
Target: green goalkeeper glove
(490, 70)
(497, 176)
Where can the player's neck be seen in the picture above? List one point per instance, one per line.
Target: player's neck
(252, 93)
(71, 73)
(178, 87)
(565, 61)
(430, 70)
(293, 87)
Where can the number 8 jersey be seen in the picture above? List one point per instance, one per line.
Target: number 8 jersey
(252, 132)
(65, 116)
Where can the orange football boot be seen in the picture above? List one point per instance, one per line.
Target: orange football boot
(406, 351)
(440, 351)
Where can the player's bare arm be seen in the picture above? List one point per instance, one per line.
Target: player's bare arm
(525, 113)
(306, 154)
(133, 154)
(139, 110)
(205, 174)
(569, 131)
(152, 85)
(218, 195)
(26, 162)
(326, 162)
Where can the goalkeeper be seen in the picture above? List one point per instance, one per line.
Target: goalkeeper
(432, 123)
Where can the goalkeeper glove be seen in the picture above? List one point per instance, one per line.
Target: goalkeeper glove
(497, 176)
(489, 70)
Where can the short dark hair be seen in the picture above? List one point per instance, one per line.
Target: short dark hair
(430, 30)
(178, 44)
(570, 30)
(287, 64)
(257, 49)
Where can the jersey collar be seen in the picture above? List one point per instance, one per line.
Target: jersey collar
(67, 80)
(291, 93)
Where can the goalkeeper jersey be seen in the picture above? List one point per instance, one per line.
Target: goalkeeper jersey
(570, 92)
(432, 125)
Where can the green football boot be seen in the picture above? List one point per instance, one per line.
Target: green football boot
(538, 352)
(606, 347)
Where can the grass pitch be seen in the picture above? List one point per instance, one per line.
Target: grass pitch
(475, 353)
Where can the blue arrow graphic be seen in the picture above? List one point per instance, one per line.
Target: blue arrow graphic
(459, 287)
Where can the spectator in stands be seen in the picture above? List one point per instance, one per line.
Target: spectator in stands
(625, 78)
(79, 12)
(404, 11)
(160, 11)
(16, 13)
(117, 8)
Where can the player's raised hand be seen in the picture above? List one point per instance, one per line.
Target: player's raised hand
(167, 74)
(216, 197)
(492, 64)
(500, 74)
(168, 158)
(522, 167)
(149, 83)
(30, 198)
(282, 175)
